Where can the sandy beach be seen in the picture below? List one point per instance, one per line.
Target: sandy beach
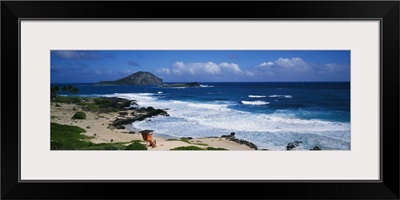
(97, 126)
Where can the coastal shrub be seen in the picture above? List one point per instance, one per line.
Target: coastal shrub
(79, 115)
(188, 148)
(67, 99)
(112, 104)
(136, 146)
(213, 148)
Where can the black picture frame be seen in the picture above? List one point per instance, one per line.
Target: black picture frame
(386, 11)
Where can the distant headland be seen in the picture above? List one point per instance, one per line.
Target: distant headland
(138, 78)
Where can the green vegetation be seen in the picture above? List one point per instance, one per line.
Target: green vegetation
(201, 144)
(65, 137)
(55, 90)
(213, 148)
(197, 148)
(136, 146)
(67, 99)
(79, 115)
(103, 104)
(89, 106)
(187, 141)
(188, 148)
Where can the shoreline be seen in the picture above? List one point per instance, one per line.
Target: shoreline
(115, 126)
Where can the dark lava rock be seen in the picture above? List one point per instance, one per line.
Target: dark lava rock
(120, 127)
(316, 148)
(240, 141)
(232, 135)
(292, 145)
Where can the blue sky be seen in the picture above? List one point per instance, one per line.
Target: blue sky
(70, 66)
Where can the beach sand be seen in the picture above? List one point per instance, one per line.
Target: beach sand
(97, 126)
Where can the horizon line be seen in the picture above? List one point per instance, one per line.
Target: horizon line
(219, 82)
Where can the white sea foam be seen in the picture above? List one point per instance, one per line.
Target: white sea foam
(255, 103)
(206, 86)
(281, 96)
(256, 96)
(271, 131)
(159, 92)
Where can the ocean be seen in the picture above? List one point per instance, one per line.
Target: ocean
(270, 115)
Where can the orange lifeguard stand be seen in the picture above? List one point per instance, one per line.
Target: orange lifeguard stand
(148, 137)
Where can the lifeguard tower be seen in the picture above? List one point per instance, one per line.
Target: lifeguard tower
(148, 137)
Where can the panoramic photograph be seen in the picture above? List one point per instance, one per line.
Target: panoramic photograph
(205, 100)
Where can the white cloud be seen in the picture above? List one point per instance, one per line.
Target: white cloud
(266, 64)
(207, 68)
(293, 63)
(296, 64)
(231, 67)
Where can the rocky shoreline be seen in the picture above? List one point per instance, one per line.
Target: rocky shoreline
(114, 114)
(107, 119)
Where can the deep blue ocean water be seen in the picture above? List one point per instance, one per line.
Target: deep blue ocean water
(268, 114)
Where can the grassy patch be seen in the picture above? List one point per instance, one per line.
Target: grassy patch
(65, 137)
(201, 144)
(180, 139)
(89, 106)
(188, 148)
(136, 146)
(104, 104)
(213, 148)
(185, 140)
